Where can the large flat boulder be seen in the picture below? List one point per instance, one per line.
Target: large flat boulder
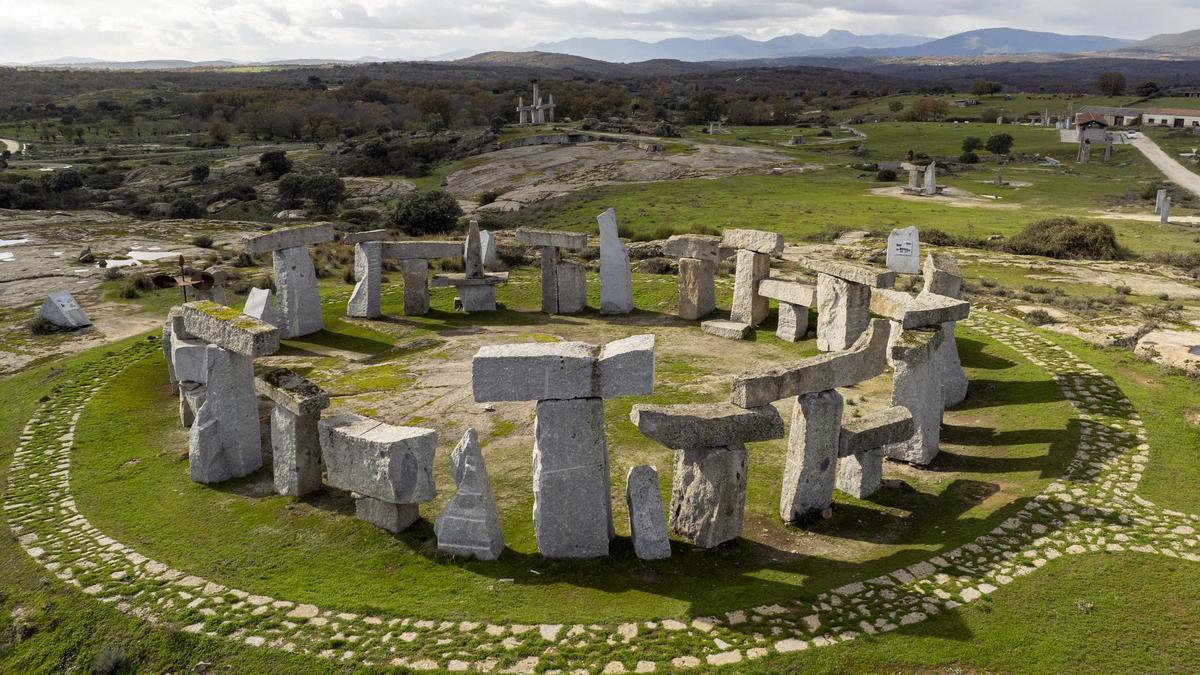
(230, 329)
(291, 237)
(859, 274)
(574, 241)
(388, 463)
(706, 425)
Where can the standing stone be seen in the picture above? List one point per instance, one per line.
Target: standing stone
(299, 302)
(916, 385)
(470, 523)
(793, 322)
(1085, 152)
(748, 306)
(1164, 216)
(572, 503)
(191, 397)
(616, 284)
(697, 288)
(550, 261)
(61, 310)
(473, 254)
(224, 440)
(385, 462)
(809, 470)
(942, 277)
(647, 517)
(914, 180)
(904, 251)
(860, 447)
(572, 287)
(295, 438)
(860, 475)
(416, 286)
(842, 312)
(487, 242)
(930, 187)
(708, 494)
(1158, 200)
(260, 304)
(368, 274)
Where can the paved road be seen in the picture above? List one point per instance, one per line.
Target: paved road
(1173, 170)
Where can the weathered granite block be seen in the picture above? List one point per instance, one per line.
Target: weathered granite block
(224, 441)
(394, 518)
(299, 303)
(793, 322)
(647, 517)
(697, 288)
(758, 241)
(706, 425)
(699, 246)
(792, 292)
(229, 329)
(942, 275)
(368, 273)
(389, 463)
(843, 312)
(191, 397)
(420, 250)
(534, 371)
(748, 306)
(916, 386)
(730, 330)
(616, 282)
(260, 304)
(470, 523)
(473, 252)
(864, 360)
(810, 468)
(477, 298)
(189, 358)
(904, 250)
(572, 500)
(572, 287)
(296, 452)
(574, 241)
(871, 432)
(708, 494)
(416, 286)
(860, 475)
(353, 238)
(291, 237)
(291, 391)
(926, 309)
(62, 310)
(626, 367)
(950, 369)
(164, 342)
(549, 269)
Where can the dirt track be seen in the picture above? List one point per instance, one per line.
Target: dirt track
(1173, 170)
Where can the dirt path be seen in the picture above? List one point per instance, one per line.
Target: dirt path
(1173, 170)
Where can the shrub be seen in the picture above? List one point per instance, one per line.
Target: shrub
(488, 197)
(274, 163)
(971, 144)
(291, 190)
(42, 326)
(324, 190)
(64, 180)
(360, 217)
(185, 207)
(1122, 289)
(968, 158)
(108, 660)
(202, 240)
(1066, 238)
(999, 144)
(421, 213)
(885, 176)
(200, 173)
(1038, 317)
(111, 273)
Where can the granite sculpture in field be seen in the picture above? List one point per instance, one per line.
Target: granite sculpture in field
(844, 299)
(295, 439)
(61, 309)
(470, 523)
(616, 282)
(754, 250)
(295, 278)
(371, 248)
(476, 289)
(698, 256)
(564, 284)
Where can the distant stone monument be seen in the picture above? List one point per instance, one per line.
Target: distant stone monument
(698, 255)
(61, 309)
(476, 289)
(536, 113)
(904, 251)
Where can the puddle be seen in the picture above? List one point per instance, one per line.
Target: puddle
(137, 257)
(5, 256)
(14, 242)
(1194, 351)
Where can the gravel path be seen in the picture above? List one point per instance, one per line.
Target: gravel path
(1173, 170)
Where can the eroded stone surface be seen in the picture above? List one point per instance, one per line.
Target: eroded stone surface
(291, 237)
(698, 246)
(843, 312)
(810, 468)
(415, 272)
(230, 329)
(389, 463)
(916, 385)
(708, 494)
(470, 523)
(697, 288)
(706, 425)
(748, 306)
(61, 309)
(365, 299)
(647, 517)
(758, 241)
(224, 440)
(299, 303)
(572, 502)
(616, 282)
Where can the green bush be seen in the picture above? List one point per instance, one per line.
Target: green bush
(1067, 238)
(421, 213)
(1038, 317)
(885, 176)
(203, 241)
(968, 158)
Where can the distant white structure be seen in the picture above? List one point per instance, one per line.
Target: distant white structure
(538, 112)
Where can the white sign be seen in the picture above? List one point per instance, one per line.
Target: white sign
(904, 251)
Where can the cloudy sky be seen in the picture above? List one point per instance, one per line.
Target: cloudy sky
(32, 30)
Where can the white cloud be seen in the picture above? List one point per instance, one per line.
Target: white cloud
(268, 29)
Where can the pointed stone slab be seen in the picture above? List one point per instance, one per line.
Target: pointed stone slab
(574, 241)
(864, 360)
(942, 275)
(859, 274)
(389, 463)
(758, 241)
(292, 237)
(626, 367)
(925, 309)
(420, 250)
(647, 517)
(260, 304)
(287, 389)
(230, 329)
(706, 425)
(792, 292)
(699, 246)
(871, 432)
(616, 282)
(470, 523)
(62, 310)
(362, 237)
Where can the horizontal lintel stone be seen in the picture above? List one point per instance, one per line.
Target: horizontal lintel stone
(758, 241)
(873, 431)
(293, 392)
(369, 235)
(229, 329)
(858, 274)
(574, 241)
(703, 425)
(699, 246)
(420, 250)
(445, 280)
(784, 290)
(926, 309)
(291, 237)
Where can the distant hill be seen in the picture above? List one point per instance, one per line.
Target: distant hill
(567, 62)
(1004, 41)
(1168, 44)
(732, 47)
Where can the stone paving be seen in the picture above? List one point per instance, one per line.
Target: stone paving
(1091, 509)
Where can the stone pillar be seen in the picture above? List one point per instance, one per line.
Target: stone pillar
(916, 385)
(480, 298)
(708, 495)
(942, 277)
(860, 475)
(861, 445)
(572, 502)
(295, 437)
(364, 301)
(416, 286)
(299, 303)
(470, 523)
(616, 282)
(647, 519)
(572, 287)
(389, 516)
(809, 470)
(224, 441)
(930, 187)
(793, 322)
(1164, 215)
(550, 260)
(748, 306)
(697, 288)
(1158, 200)
(842, 312)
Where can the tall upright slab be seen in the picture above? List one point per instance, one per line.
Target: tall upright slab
(616, 283)
(942, 277)
(916, 385)
(749, 307)
(697, 288)
(470, 523)
(365, 299)
(295, 278)
(904, 250)
(572, 506)
(810, 469)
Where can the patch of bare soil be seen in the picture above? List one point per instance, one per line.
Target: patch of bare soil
(949, 197)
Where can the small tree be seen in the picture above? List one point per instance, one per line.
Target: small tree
(420, 213)
(64, 181)
(324, 190)
(1111, 84)
(184, 207)
(274, 163)
(1146, 89)
(985, 88)
(291, 190)
(200, 173)
(926, 109)
(896, 106)
(999, 144)
(218, 133)
(971, 144)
